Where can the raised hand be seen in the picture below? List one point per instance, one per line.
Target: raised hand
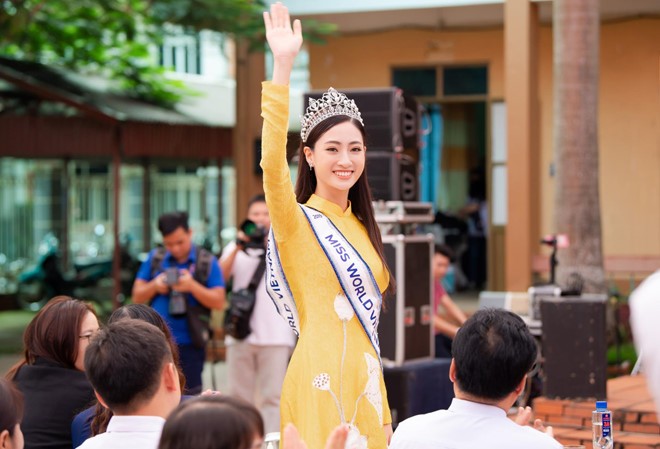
(284, 40)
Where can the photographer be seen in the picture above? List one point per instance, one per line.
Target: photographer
(259, 360)
(182, 283)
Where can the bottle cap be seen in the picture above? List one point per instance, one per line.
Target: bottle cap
(601, 405)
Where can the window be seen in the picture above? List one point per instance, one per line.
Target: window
(180, 52)
(416, 82)
(465, 80)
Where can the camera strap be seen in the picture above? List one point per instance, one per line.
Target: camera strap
(258, 274)
(200, 270)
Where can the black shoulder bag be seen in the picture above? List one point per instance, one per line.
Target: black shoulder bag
(241, 305)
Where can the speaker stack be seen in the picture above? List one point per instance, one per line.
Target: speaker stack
(416, 382)
(392, 123)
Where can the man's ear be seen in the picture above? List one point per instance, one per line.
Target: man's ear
(521, 385)
(171, 377)
(5, 442)
(100, 399)
(452, 371)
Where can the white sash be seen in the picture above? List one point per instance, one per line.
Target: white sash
(353, 273)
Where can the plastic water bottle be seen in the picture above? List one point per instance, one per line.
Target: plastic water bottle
(602, 426)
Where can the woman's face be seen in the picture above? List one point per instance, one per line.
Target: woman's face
(89, 326)
(338, 160)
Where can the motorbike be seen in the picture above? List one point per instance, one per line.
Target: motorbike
(90, 280)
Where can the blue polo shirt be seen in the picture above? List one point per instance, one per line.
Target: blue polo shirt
(178, 325)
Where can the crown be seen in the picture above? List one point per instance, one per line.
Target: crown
(330, 104)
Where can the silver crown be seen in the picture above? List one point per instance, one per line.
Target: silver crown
(330, 104)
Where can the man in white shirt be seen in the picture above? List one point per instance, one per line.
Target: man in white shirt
(130, 366)
(257, 364)
(645, 316)
(492, 353)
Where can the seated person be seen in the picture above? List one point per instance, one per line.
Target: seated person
(51, 374)
(447, 316)
(11, 414)
(94, 420)
(492, 354)
(645, 313)
(131, 367)
(213, 422)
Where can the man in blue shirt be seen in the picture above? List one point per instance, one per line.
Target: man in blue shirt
(171, 289)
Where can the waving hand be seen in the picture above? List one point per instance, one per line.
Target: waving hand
(284, 40)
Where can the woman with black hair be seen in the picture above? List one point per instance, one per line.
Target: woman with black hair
(326, 271)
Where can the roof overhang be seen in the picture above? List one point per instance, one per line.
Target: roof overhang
(377, 15)
(107, 122)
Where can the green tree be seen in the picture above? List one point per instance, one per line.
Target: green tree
(114, 37)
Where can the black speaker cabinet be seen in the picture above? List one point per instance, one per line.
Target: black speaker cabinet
(418, 387)
(391, 119)
(405, 329)
(393, 176)
(574, 346)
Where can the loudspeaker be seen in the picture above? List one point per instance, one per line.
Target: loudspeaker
(405, 330)
(418, 387)
(574, 346)
(392, 176)
(391, 119)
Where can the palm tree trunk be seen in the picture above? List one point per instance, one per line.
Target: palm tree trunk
(577, 201)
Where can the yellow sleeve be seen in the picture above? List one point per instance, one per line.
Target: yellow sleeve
(280, 197)
(387, 415)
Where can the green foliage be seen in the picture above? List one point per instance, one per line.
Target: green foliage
(116, 37)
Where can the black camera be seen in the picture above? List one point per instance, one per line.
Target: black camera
(171, 276)
(256, 234)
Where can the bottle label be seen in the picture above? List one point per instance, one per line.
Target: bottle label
(607, 424)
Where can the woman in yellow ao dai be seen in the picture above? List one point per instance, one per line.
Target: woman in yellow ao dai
(335, 375)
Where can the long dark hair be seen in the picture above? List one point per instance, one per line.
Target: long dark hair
(212, 422)
(11, 406)
(359, 195)
(53, 333)
(145, 313)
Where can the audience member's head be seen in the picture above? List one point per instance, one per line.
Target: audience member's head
(492, 353)
(645, 313)
(442, 259)
(147, 314)
(130, 366)
(213, 422)
(11, 414)
(60, 333)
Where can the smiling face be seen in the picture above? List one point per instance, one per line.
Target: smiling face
(338, 160)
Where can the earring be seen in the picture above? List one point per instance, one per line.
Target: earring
(311, 167)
